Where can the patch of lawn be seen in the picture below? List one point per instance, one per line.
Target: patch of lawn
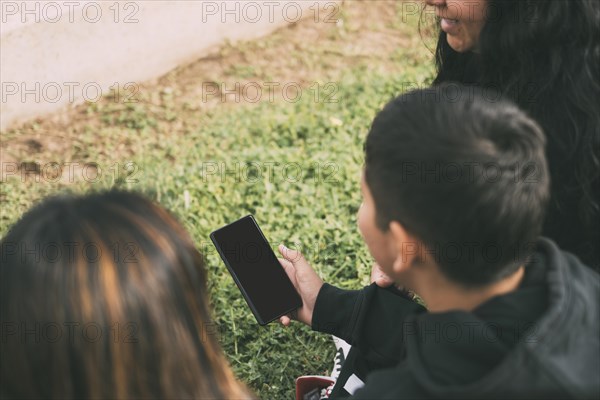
(294, 165)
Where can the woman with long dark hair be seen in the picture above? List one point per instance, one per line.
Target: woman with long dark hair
(104, 296)
(545, 56)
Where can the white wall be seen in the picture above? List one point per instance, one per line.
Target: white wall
(56, 53)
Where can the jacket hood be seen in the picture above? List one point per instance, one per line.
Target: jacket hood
(556, 357)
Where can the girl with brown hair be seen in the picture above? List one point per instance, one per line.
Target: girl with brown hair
(104, 296)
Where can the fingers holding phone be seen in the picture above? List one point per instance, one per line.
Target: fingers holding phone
(306, 281)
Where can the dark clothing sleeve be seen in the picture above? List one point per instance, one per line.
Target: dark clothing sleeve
(372, 320)
(345, 314)
(336, 311)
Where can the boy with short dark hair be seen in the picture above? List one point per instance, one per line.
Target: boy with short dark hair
(454, 187)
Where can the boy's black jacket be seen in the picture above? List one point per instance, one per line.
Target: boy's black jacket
(539, 341)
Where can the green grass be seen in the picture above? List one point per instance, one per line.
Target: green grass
(313, 207)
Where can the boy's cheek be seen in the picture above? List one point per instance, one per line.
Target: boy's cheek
(378, 247)
(374, 238)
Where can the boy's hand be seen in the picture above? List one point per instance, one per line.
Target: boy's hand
(379, 277)
(383, 281)
(306, 281)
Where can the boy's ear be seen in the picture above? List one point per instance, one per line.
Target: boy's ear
(406, 247)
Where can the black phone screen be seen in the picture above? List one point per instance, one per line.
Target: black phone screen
(256, 270)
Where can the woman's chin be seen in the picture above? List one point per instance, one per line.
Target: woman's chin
(458, 45)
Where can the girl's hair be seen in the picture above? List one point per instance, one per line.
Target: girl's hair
(104, 296)
(545, 55)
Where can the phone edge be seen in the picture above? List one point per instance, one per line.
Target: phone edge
(234, 276)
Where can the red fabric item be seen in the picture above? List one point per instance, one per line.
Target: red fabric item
(306, 383)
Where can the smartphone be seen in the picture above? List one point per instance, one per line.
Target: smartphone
(256, 270)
